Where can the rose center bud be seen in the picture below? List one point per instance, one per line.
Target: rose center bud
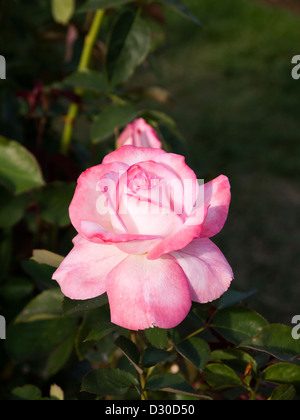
(147, 191)
(141, 181)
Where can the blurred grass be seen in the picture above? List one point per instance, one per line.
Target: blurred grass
(238, 107)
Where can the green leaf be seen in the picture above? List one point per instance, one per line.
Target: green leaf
(237, 324)
(283, 393)
(100, 331)
(42, 256)
(128, 47)
(76, 307)
(41, 273)
(157, 337)
(12, 208)
(35, 340)
(108, 382)
(27, 393)
(19, 170)
(111, 118)
(283, 373)
(47, 305)
(130, 350)
(63, 10)
(168, 382)
(233, 297)
(180, 8)
(195, 350)
(93, 5)
(152, 356)
(236, 359)
(157, 117)
(88, 80)
(60, 355)
(275, 340)
(97, 350)
(54, 201)
(192, 325)
(220, 376)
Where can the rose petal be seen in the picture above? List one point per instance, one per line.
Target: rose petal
(83, 272)
(182, 237)
(138, 247)
(144, 294)
(95, 233)
(107, 203)
(207, 269)
(155, 183)
(130, 155)
(175, 163)
(143, 218)
(188, 178)
(87, 203)
(218, 196)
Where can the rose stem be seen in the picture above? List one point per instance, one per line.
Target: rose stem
(89, 43)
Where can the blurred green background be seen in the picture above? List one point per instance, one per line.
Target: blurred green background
(229, 88)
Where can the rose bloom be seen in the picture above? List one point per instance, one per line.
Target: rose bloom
(144, 223)
(139, 134)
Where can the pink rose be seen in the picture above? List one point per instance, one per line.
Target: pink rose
(143, 224)
(139, 134)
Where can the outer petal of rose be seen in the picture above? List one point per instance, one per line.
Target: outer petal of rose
(86, 197)
(131, 155)
(207, 269)
(188, 178)
(174, 242)
(138, 247)
(83, 272)
(218, 196)
(144, 294)
(95, 233)
(139, 134)
(128, 243)
(183, 237)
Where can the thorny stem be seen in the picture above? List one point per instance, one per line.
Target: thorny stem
(144, 395)
(143, 379)
(89, 43)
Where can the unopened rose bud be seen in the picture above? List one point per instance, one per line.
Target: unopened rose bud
(139, 134)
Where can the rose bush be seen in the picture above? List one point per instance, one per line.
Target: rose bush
(144, 224)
